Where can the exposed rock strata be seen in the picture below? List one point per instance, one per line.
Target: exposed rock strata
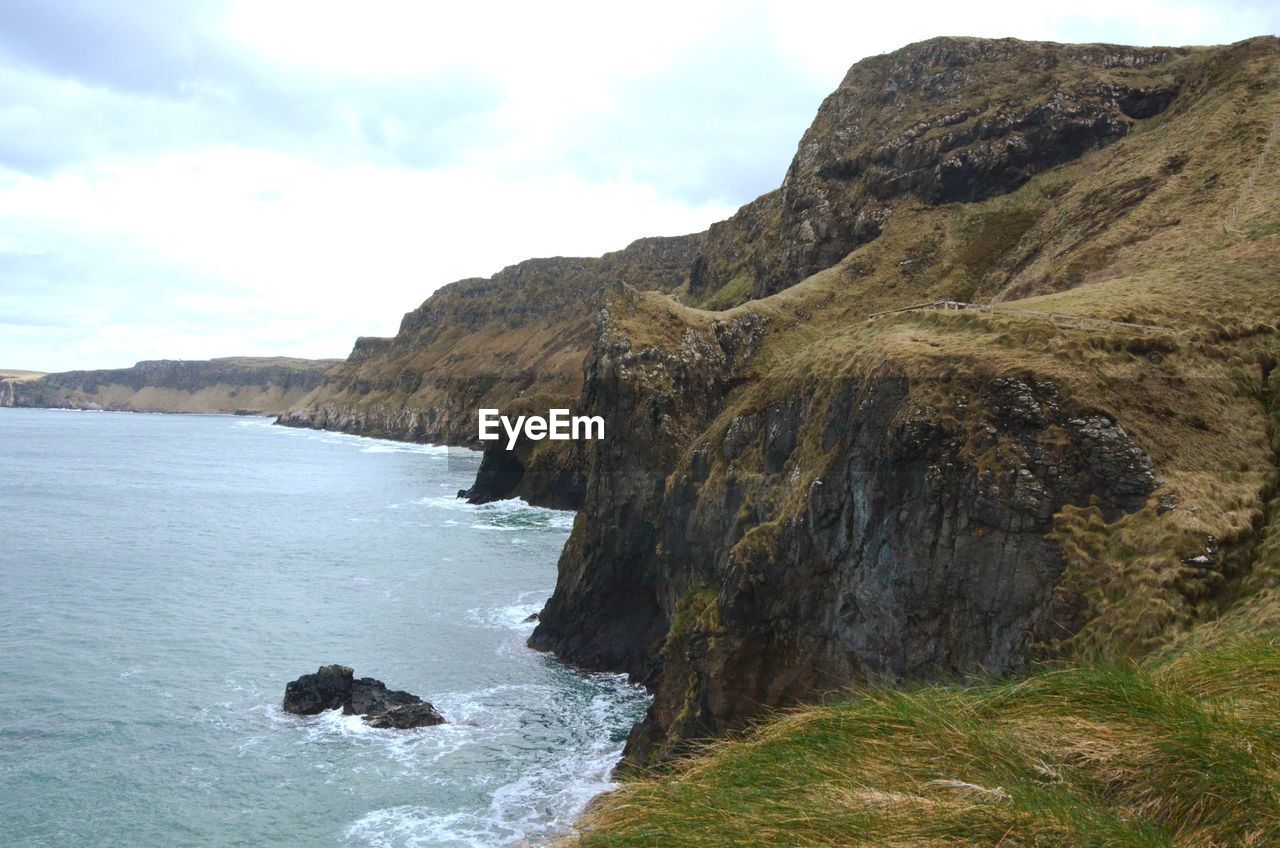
(921, 550)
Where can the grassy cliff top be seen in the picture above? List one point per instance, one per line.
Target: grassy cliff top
(1184, 751)
(1161, 724)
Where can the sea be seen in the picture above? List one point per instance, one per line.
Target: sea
(162, 577)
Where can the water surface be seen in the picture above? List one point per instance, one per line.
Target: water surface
(162, 577)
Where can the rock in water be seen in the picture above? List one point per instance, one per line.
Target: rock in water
(370, 697)
(406, 716)
(336, 687)
(328, 689)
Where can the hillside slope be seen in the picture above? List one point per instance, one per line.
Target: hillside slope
(259, 385)
(797, 497)
(940, 121)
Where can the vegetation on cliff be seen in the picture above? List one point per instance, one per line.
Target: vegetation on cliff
(1183, 752)
(932, 493)
(1032, 536)
(1181, 748)
(867, 469)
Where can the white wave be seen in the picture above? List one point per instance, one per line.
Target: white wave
(407, 447)
(415, 753)
(509, 514)
(513, 616)
(543, 797)
(254, 421)
(366, 444)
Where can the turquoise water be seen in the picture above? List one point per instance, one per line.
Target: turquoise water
(162, 577)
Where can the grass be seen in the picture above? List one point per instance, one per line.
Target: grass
(1179, 752)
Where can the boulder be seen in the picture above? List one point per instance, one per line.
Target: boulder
(370, 697)
(407, 716)
(328, 689)
(335, 687)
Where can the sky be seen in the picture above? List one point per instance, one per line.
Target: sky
(277, 177)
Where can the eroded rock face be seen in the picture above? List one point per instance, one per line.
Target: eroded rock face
(606, 612)
(872, 530)
(943, 121)
(923, 551)
(335, 687)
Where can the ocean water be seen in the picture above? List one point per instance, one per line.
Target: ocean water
(162, 577)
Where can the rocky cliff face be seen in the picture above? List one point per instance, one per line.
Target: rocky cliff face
(605, 613)
(259, 385)
(795, 498)
(946, 120)
(520, 334)
(915, 544)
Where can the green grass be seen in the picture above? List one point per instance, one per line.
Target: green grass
(734, 292)
(1175, 752)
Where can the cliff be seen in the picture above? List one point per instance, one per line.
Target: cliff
(942, 121)
(801, 494)
(521, 334)
(259, 385)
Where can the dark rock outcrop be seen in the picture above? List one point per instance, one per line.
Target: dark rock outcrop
(405, 717)
(606, 613)
(335, 687)
(923, 550)
(543, 473)
(328, 689)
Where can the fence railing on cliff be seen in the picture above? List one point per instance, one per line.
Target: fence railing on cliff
(1071, 322)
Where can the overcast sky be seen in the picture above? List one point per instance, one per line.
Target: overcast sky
(215, 178)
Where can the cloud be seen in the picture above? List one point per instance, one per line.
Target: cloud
(279, 176)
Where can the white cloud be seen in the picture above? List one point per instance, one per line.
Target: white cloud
(279, 177)
(234, 239)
